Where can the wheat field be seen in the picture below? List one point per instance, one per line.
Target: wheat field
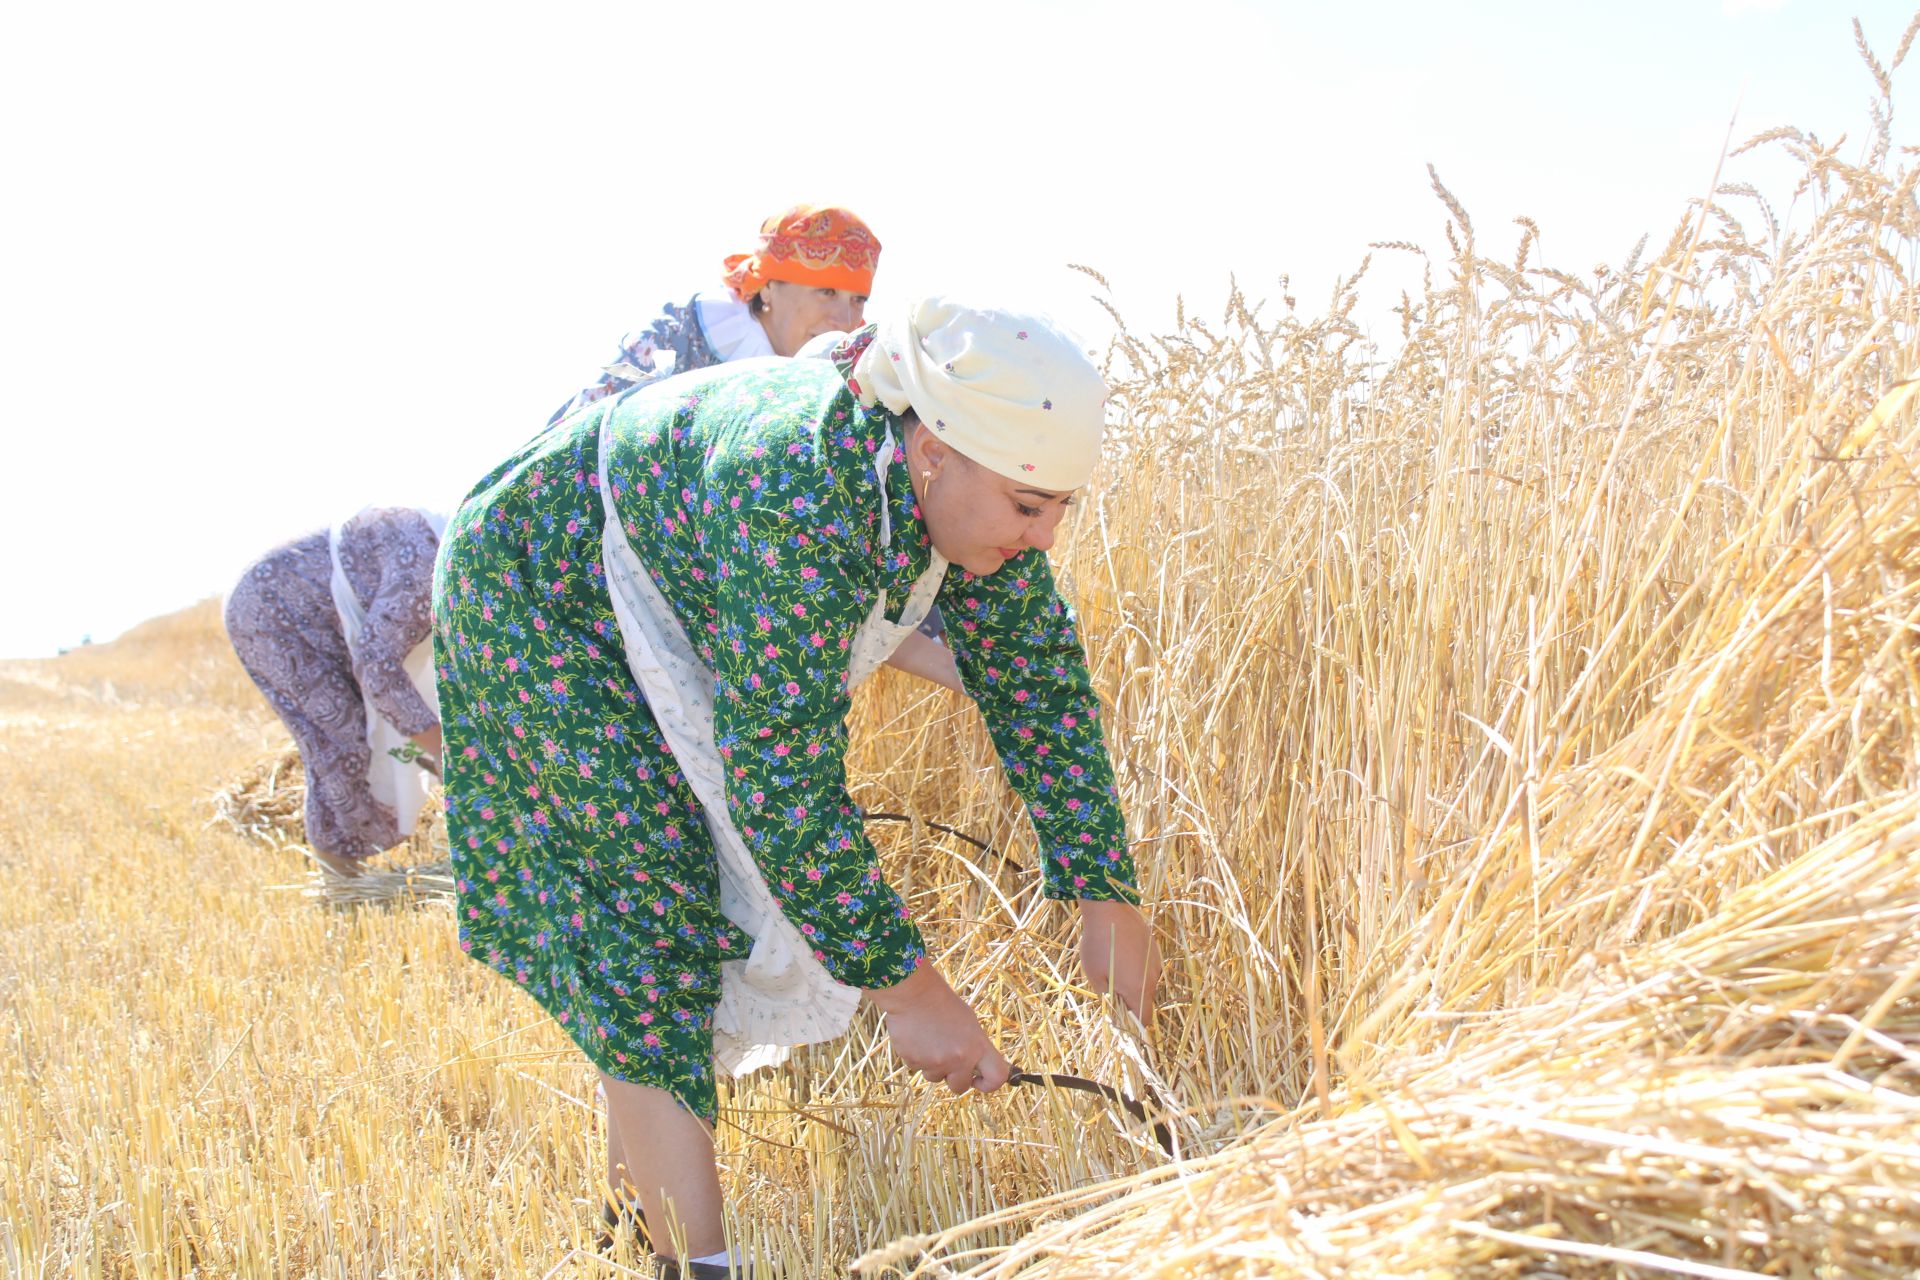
(1519, 719)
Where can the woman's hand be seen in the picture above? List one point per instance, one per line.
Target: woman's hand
(936, 1033)
(1119, 954)
(430, 743)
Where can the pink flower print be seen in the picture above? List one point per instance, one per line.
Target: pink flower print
(1028, 466)
(1022, 335)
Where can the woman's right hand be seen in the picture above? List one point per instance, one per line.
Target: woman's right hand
(936, 1033)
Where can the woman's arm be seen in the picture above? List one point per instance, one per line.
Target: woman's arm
(395, 546)
(1016, 644)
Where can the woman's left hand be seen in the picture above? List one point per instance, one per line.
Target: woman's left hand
(1119, 954)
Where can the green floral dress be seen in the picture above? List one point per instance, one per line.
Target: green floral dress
(585, 867)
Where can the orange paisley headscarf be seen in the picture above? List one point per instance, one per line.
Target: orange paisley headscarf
(820, 245)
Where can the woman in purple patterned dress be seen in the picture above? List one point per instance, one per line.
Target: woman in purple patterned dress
(336, 630)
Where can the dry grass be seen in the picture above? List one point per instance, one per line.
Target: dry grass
(1521, 735)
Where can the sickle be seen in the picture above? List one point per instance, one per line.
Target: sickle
(1162, 1133)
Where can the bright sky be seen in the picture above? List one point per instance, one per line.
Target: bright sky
(265, 263)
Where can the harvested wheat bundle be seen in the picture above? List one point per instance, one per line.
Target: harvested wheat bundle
(1742, 1100)
(431, 882)
(266, 801)
(419, 870)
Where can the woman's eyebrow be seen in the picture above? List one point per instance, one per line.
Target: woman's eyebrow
(1041, 493)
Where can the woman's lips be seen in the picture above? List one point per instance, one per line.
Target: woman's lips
(1007, 553)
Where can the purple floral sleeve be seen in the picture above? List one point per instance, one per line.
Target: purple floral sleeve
(387, 554)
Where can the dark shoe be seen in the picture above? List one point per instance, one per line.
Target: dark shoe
(629, 1219)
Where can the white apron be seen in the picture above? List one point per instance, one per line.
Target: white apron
(779, 995)
(393, 781)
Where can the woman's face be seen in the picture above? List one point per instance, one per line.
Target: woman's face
(978, 519)
(795, 314)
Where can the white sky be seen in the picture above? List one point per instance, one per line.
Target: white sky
(261, 264)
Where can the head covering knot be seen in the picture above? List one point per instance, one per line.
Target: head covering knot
(1008, 389)
(820, 245)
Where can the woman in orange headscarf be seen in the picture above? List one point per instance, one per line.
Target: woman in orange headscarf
(809, 279)
(810, 276)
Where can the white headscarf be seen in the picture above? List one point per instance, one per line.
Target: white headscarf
(1008, 389)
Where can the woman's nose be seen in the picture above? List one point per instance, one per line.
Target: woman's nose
(1040, 532)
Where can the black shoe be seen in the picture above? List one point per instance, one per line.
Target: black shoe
(630, 1219)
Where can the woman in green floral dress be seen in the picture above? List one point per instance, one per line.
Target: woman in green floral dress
(648, 625)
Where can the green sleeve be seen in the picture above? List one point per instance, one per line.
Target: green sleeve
(1017, 645)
